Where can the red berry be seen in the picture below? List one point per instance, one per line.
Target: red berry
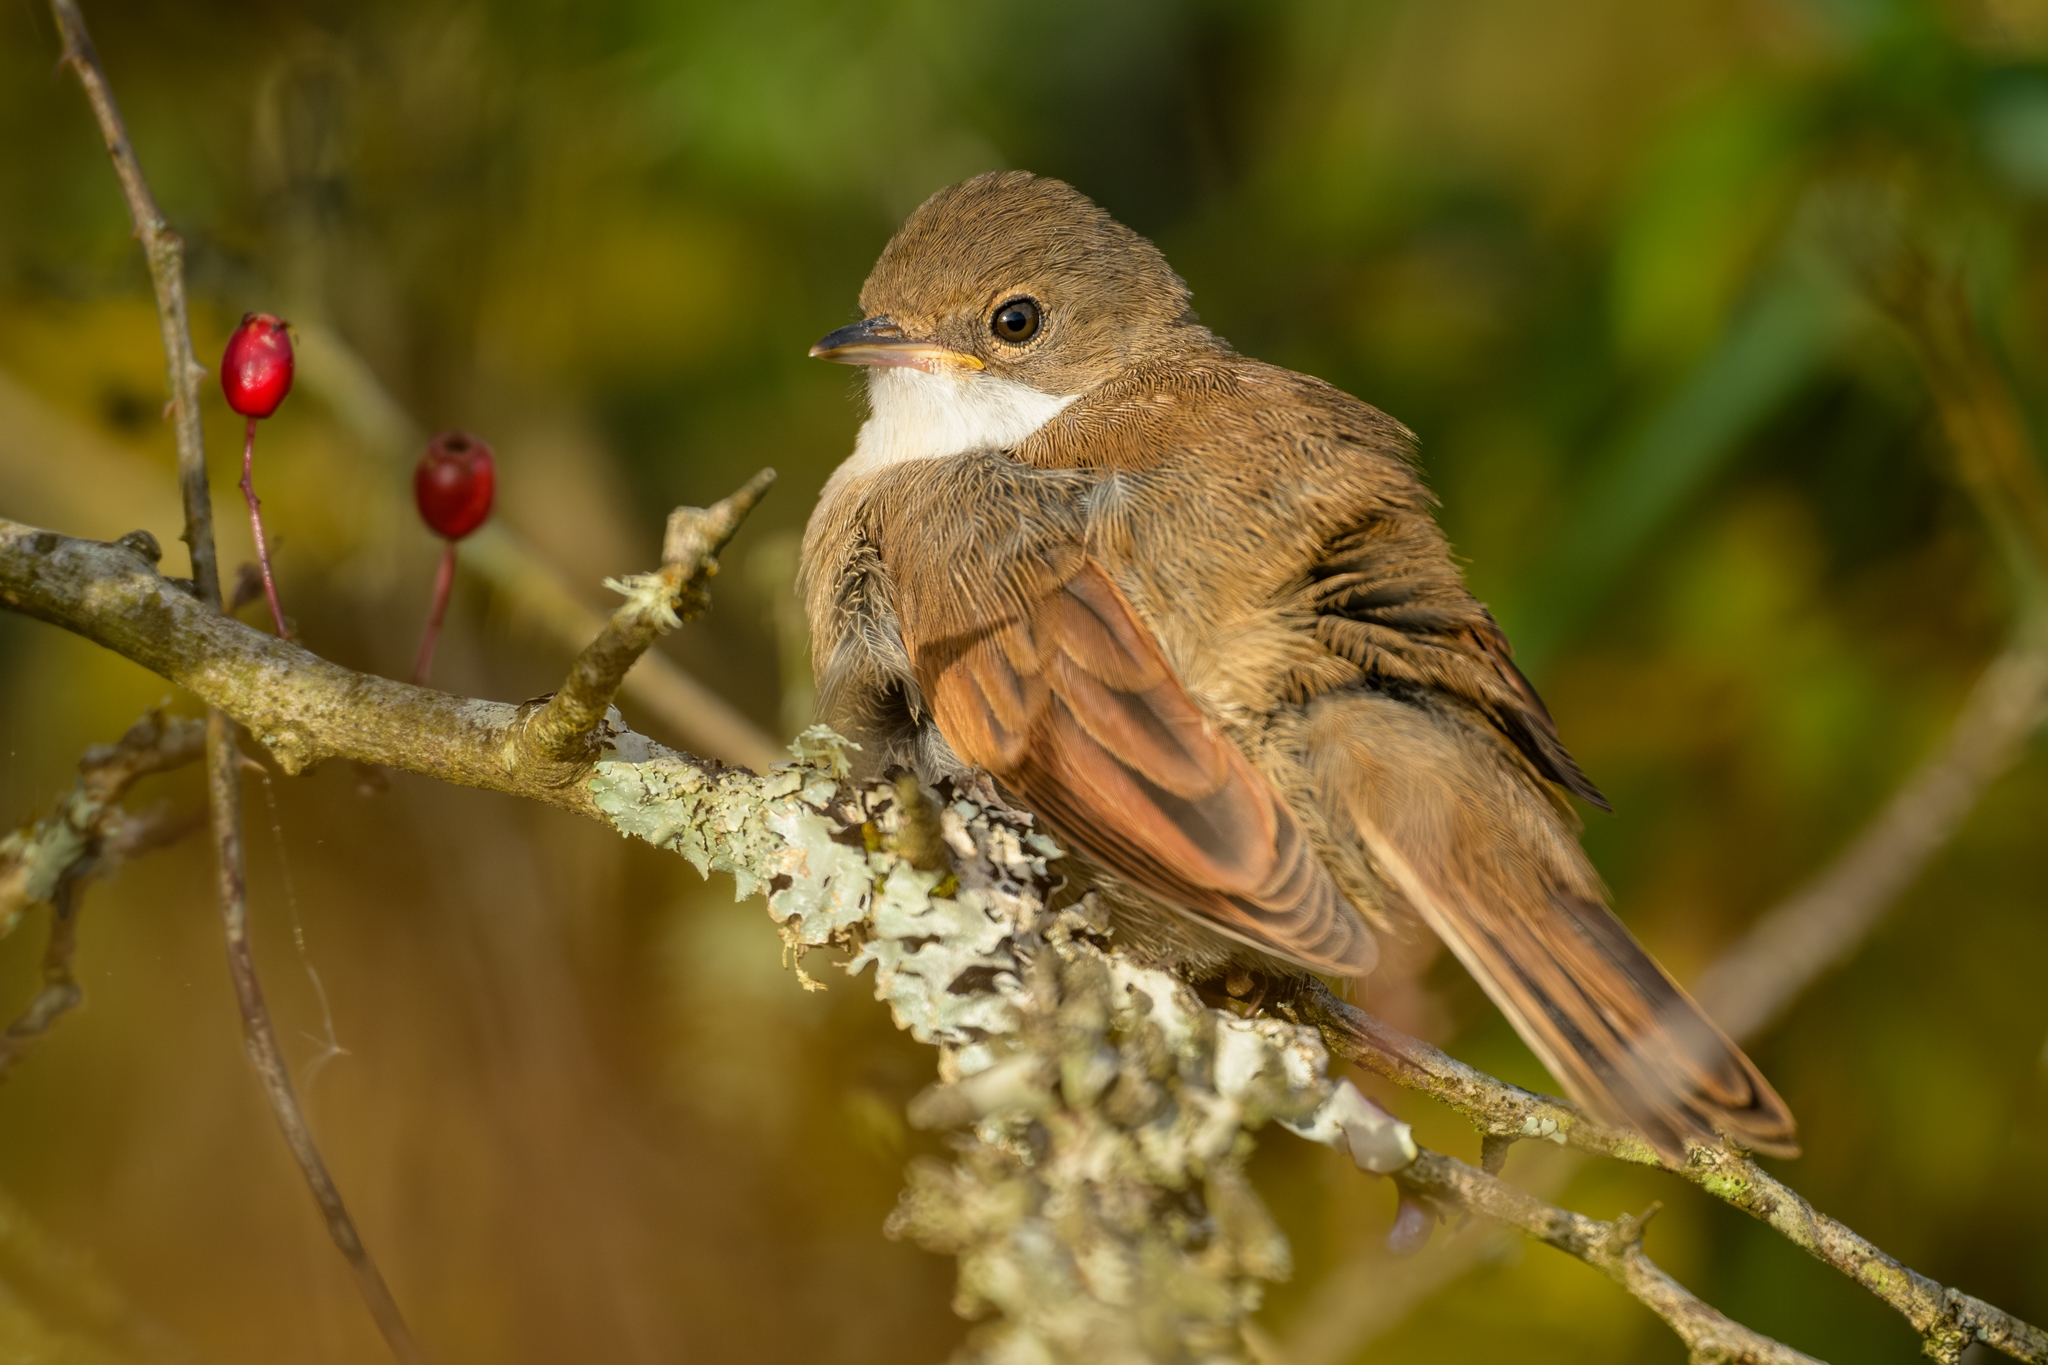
(256, 372)
(454, 484)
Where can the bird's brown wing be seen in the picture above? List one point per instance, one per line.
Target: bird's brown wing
(1068, 700)
(1485, 859)
(1387, 598)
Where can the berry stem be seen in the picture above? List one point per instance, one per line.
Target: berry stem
(444, 580)
(256, 525)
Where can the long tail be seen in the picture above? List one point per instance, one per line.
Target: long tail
(1457, 826)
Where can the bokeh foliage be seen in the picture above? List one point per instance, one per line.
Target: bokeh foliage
(1600, 256)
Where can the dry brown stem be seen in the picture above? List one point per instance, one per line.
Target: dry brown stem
(165, 254)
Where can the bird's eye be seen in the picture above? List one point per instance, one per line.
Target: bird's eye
(1015, 322)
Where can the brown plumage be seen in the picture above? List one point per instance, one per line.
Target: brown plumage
(1195, 612)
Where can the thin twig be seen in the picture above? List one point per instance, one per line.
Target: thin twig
(1615, 1248)
(165, 254)
(1946, 1319)
(88, 835)
(223, 780)
(565, 730)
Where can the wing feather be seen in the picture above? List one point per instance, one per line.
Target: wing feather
(1074, 707)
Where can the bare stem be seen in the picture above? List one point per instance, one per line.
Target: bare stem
(223, 771)
(165, 254)
(256, 527)
(444, 582)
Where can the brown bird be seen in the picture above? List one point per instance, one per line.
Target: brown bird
(1195, 613)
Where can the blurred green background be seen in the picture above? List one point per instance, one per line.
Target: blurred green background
(1591, 251)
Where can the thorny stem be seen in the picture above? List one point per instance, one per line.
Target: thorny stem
(165, 254)
(256, 527)
(444, 582)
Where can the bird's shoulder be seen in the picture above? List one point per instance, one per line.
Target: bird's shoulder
(1210, 404)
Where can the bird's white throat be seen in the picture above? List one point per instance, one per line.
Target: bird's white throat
(920, 416)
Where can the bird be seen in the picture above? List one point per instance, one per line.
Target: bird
(1195, 613)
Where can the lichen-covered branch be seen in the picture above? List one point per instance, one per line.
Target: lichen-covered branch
(1096, 1200)
(88, 835)
(89, 830)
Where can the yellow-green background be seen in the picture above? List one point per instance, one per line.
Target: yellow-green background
(581, 1112)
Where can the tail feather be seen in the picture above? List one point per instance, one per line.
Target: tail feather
(1463, 833)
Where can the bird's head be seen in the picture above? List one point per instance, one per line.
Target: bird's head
(1017, 278)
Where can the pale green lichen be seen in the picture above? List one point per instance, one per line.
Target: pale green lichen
(1097, 1200)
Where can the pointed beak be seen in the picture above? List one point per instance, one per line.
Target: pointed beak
(878, 341)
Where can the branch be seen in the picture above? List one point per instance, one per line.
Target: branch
(87, 835)
(1615, 1248)
(300, 707)
(1946, 1319)
(1093, 1085)
(165, 251)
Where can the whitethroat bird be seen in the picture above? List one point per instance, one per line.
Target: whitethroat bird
(1194, 612)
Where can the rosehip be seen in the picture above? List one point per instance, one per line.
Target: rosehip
(256, 372)
(454, 484)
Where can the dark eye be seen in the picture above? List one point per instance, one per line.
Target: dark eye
(1015, 322)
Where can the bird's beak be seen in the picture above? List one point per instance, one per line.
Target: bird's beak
(878, 341)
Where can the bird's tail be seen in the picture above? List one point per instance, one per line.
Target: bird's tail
(1473, 844)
